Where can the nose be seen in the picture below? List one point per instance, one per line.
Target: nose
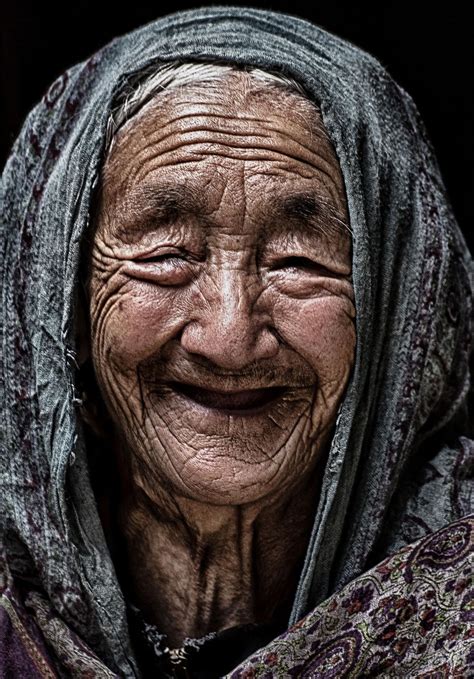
(228, 329)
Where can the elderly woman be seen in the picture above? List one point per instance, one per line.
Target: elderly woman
(236, 338)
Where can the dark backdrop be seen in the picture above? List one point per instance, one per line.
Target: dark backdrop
(425, 46)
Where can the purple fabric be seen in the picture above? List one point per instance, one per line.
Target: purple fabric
(17, 653)
(410, 616)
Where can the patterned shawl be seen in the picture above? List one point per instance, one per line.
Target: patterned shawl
(400, 463)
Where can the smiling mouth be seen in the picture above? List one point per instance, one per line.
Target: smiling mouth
(235, 403)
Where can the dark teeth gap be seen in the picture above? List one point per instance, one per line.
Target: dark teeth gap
(240, 401)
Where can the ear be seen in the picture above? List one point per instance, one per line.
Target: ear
(92, 408)
(90, 404)
(83, 350)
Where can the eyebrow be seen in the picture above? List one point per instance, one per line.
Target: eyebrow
(160, 206)
(163, 203)
(149, 208)
(308, 209)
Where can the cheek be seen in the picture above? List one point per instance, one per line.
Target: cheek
(134, 323)
(322, 331)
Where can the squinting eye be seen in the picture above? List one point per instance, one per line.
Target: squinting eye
(163, 259)
(299, 263)
(169, 269)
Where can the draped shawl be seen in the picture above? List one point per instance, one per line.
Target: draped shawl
(400, 460)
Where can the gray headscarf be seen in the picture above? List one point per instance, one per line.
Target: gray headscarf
(400, 461)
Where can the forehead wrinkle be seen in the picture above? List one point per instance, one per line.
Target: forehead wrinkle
(223, 142)
(165, 123)
(263, 138)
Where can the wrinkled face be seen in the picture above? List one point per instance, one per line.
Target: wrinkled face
(221, 301)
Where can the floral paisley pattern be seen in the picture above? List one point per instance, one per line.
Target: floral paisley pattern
(410, 616)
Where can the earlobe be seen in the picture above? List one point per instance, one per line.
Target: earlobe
(91, 406)
(92, 409)
(88, 406)
(82, 329)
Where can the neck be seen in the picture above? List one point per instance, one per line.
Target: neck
(194, 568)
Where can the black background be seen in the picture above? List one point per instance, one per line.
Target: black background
(426, 47)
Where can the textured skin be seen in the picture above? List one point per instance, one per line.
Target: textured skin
(223, 289)
(400, 461)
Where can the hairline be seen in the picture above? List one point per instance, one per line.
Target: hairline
(143, 88)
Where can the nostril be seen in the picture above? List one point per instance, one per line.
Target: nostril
(275, 334)
(179, 335)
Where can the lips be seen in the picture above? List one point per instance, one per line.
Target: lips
(248, 400)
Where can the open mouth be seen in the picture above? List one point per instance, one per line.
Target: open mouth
(239, 402)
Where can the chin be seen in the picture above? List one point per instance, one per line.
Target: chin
(229, 478)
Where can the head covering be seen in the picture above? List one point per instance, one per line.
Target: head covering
(400, 460)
